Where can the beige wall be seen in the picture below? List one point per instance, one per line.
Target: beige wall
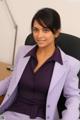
(23, 10)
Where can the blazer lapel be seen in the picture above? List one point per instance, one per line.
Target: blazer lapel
(58, 72)
(21, 66)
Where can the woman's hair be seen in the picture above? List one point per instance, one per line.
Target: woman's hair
(49, 18)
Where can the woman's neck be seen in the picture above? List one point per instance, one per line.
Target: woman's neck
(46, 51)
(42, 55)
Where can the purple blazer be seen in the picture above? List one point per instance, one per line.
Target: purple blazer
(64, 77)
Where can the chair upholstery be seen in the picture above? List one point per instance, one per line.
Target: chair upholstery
(69, 44)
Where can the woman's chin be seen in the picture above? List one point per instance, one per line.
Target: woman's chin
(41, 45)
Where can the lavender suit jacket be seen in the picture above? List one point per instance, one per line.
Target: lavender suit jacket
(64, 77)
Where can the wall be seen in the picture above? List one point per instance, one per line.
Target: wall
(23, 11)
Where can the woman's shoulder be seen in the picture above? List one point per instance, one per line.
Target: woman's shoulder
(70, 60)
(24, 49)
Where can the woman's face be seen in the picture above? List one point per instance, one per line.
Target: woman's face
(42, 35)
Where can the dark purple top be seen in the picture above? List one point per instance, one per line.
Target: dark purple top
(33, 87)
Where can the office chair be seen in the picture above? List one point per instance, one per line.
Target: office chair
(69, 44)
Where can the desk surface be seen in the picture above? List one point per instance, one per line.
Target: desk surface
(3, 70)
(4, 73)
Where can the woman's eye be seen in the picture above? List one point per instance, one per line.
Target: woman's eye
(34, 29)
(43, 30)
(46, 30)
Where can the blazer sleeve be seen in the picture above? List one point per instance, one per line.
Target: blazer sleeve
(4, 84)
(71, 92)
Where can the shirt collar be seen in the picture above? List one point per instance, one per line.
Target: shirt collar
(55, 57)
(32, 52)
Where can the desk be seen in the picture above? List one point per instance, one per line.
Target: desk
(3, 70)
(4, 73)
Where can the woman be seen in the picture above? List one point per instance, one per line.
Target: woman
(41, 73)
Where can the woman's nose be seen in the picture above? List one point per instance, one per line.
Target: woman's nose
(40, 33)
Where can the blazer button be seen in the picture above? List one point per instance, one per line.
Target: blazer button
(2, 117)
(8, 95)
(48, 106)
(48, 117)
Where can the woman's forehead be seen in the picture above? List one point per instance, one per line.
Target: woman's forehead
(39, 24)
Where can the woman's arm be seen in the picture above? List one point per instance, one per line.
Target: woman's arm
(71, 92)
(4, 83)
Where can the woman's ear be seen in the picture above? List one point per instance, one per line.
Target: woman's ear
(57, 33)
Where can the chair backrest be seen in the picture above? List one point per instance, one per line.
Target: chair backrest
(69, 44)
